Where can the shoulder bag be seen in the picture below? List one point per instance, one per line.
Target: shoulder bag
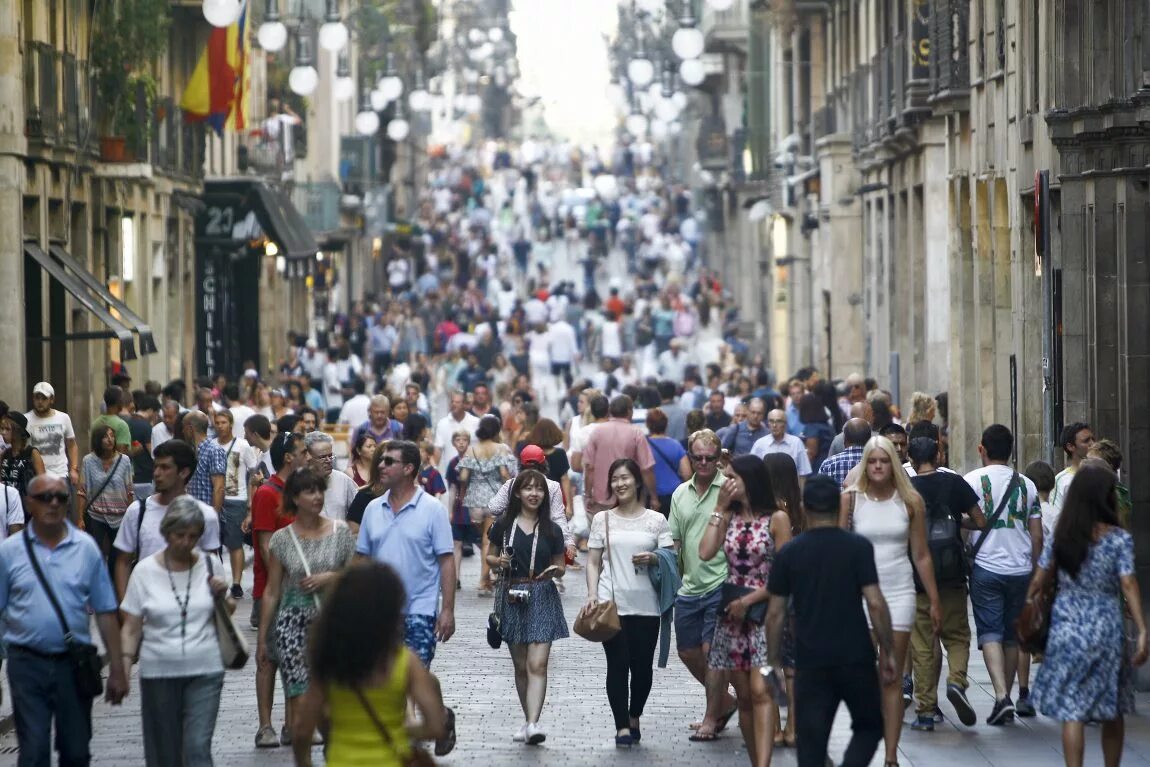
(233, 646)
(416, 757)
(303, 559)
(104, 486)
(1034, 620)
(139, 529)
(973, 553)
(86, 664)
(599, 622)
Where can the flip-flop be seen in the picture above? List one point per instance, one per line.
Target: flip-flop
(444, 746)
(704, 737)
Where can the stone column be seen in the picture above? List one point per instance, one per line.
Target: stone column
(13, 145)
(936, 227)
(841, 269)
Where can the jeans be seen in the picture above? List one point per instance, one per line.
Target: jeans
(924, 651)
(179, 716)
(631, 652)
(997, 601)
(44, 688)
(820, 690)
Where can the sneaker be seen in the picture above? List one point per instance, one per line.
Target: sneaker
(237, 591)
(266, 737)
(923, 723)
(520, 735)
(1024, 707)
(468, 550)
(285, 736)
(957, 697)
(535, 734)
(907, 691)
(1002, 712)
(937, 716)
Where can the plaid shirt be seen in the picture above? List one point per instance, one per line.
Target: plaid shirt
(840, 464)
(211, 460)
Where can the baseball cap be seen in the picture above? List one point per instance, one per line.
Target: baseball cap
(531, 455)
(821, 494)
(44, 388)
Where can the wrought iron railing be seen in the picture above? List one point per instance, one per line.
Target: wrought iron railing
(949, 52)
(41, 93)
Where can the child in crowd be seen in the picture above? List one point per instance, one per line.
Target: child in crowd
(429, 477)
(462, 529)
(1042, 475)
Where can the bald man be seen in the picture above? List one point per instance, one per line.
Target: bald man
(778, 441)
(856, 432)
(861, 410)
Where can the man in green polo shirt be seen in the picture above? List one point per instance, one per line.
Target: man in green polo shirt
(697, 606)
(113, 406)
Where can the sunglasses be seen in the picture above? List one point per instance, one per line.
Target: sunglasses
(387, 460)
(48, 498)
(704, 458)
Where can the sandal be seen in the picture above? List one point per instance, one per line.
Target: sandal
(790, 740)
(702, 736)
(446, 744)
(721, 722)
(780, 740)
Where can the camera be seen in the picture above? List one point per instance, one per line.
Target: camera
(518, 596)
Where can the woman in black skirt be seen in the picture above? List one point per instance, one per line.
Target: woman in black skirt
(529, 550)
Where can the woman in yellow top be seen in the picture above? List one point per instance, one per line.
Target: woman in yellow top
(362, 678)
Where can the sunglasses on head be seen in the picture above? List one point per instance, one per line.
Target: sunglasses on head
(60, 497)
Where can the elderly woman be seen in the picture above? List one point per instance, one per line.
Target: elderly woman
(303, 559)
(168, 623)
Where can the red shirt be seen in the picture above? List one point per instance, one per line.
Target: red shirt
(267, 517)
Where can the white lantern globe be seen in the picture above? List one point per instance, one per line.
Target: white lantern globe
(658, 130)
(391, 87)
(474, 103)
(221, 13)
(272, 36)
(680, 100)
(495, 35)
(367, 123)
(379, 102)
(666, 110)
(419, 100)
(687, 43)
(476, 36)
(303, 80)
(636, 124)
(692, 72)
(675, 128)
(640, 72)
(398, 129)
(721, 5)
(333, 36)
(343, 89)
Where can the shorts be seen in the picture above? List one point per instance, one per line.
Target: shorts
(465, 533)
(997, 601)
(419, 636)
(231, 523)
(695, 619)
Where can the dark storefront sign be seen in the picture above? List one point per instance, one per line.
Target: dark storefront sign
(712, 144)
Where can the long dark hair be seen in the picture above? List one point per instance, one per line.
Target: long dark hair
(1091, 500)
(370, 596)
(785, 484)
(515, 504)
(756, 478)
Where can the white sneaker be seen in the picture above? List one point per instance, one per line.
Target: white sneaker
(535, 734)
(521, 734)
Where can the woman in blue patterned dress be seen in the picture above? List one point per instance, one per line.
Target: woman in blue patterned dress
(750, 528)
(1085, 675)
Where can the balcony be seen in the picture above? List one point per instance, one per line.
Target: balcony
(41, 93)
(263, 155)
(77, 120)
(949, 55)
(726, 30)
(177, 147)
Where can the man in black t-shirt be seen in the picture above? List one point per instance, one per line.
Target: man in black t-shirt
(950, 504)
(835, 660)
(140, 422)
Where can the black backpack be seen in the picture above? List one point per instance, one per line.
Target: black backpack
(943, 538)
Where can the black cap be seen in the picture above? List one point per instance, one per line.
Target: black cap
(19, 420)
(821, 494)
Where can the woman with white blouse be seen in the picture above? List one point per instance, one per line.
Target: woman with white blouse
(169, 625)
(627, 537)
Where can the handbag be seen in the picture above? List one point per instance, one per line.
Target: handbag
(756, 613)
(303, 559)
(233, 646)
(86, 664)
(1034, 621)
(599, 621)
(416, 757)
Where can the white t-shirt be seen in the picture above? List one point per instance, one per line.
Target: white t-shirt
(1062, 482)
(1049, 520)
(1007, 550)
(448, 426)
(341, 490)
(610, 340)
(13, 510)
(49, 436)
(240, 416)
(354, 411)
(165, 650)
(632, 590)
(150, 539)
(562, 342)
(160, 435)
(237, 465)
(535, 312)
(538, 349)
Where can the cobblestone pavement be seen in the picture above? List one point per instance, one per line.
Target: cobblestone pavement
(478, 684)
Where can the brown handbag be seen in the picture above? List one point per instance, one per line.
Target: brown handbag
(1034, 621)
(599, 622)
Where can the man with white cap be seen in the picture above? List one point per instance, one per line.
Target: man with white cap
(52, 434)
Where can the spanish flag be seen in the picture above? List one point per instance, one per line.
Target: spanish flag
(217, 90)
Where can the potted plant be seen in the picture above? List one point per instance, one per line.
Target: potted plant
(129, 36)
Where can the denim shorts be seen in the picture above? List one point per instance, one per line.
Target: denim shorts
(695, 619)
(419, 636)
(231, 524)
(997, 601)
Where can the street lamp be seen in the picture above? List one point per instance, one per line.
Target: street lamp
(692, 72)
(399, 127)
(636, 124)
(221, 13)
(272, 34)
(419, 99)
(687, 42)
(303, 78)
(367, 120)
(344, 87)
(390, 85)
(333, 34)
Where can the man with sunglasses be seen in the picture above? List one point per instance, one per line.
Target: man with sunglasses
(697, 605)
(41, 673)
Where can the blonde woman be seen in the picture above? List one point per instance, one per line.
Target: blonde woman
(883, 507)
(923, 407)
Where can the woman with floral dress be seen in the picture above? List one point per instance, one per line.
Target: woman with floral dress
(749, 529)
(482, 471)
(1085, 675)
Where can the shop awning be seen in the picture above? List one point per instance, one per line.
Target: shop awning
(231, 200)
(143, 330)
(115, 328)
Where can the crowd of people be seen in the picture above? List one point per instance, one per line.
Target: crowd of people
(630, 437)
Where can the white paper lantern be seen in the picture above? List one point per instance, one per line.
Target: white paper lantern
(398, 129)
(692, 72)
(221, 13)
(687, 43)
(343, 89)
(391, 87)
(272, 36)
(303, 80)
(419, 100)
(658, 130)
(367, 123)
(666, 110)
(333, 36)
(640, 72)
(476, 36)
(680, 100)
(636, 124)
(495, 35)
(721, 5)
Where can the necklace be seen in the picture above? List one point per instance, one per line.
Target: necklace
(182, 604)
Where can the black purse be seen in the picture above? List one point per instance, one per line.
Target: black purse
(756, 613)
(86, 664)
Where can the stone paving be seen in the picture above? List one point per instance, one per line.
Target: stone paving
(478, 684)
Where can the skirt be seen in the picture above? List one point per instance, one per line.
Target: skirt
(738, 646)
(538, 620)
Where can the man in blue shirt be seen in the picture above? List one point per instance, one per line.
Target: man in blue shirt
(40, 670)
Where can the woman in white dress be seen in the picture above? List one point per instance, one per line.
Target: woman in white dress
(883, 507)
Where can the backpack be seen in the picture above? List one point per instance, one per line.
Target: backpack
(947, 551)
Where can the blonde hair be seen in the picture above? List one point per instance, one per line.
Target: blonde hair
(705, 436)
(902, 486)
(923, 407)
